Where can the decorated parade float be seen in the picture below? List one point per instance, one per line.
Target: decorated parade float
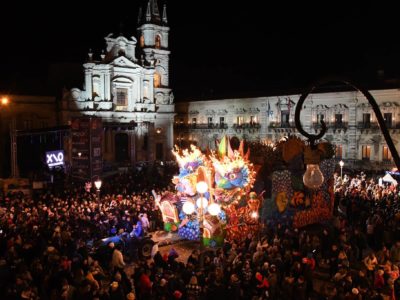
(229, 208)
(300, 195)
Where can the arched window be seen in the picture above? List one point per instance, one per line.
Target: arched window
(157, 80)
(158, 42)
(142, 41)
(96, 86)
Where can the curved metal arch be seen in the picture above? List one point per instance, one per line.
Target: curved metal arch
(313, 137)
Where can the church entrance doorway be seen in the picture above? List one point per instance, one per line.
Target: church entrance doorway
(121, 147)
(159, 151)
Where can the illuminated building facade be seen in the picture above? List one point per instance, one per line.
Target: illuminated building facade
(351, 122)
(127, 86)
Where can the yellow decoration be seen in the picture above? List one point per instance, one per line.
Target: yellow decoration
(281, 201)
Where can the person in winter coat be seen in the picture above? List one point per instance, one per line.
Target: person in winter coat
(117, 261)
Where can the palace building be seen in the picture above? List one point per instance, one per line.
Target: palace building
(351, 122)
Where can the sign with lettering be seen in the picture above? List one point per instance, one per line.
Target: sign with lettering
(55, 158)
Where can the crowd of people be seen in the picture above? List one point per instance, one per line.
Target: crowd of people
(46, 243)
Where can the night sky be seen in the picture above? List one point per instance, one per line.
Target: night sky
(219, 48)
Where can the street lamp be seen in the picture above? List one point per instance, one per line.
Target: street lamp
(4, 101)
(201, 188)
(341, 164)
(314, 137)
(201, 205)
(97, 184)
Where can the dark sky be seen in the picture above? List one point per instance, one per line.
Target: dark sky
(219, 48)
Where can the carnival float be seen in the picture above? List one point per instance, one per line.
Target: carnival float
(293, 199)
(230, 208)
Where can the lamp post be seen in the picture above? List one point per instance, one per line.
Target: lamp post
(3, 103)
(312, 138)
(201, 188)
(201, 204)
(97, 184)
(341, 164)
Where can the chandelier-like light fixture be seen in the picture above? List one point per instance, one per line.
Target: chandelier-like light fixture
(313, 177)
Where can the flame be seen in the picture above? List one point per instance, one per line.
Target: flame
(237, 162)
(187, 155)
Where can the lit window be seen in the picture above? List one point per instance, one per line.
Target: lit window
(96, 87)
(253, 120)
(366, 152)
(158, 42)
(221, 121)
(142, 41)
(320, 117)
(157, 80)
(239, 120)
(386, 155)
(122, 97)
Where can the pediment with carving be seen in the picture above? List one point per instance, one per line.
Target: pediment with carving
(122, 61)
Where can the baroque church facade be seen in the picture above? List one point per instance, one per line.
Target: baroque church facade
(128, 88)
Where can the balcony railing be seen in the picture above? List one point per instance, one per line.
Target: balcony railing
(367, 125)
(281, 125)
(201, 126)
(393, 125)
(247, 126)
(331, 125)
